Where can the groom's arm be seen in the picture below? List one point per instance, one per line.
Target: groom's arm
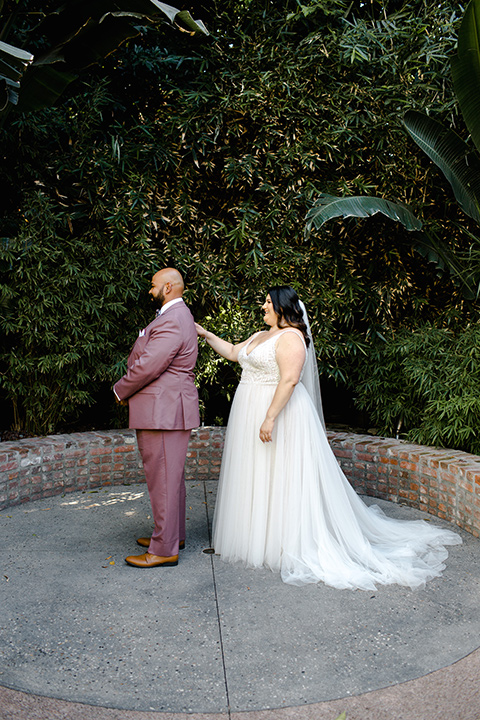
(160, 349)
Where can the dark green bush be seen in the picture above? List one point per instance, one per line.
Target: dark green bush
(207, 156)
(70, 309)
(425, 385)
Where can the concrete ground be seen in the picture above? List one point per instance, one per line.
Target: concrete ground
(83, 636)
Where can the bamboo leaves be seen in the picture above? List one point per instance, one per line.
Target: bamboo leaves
(425, 383)
(454, 157)
(458, 162)
(205, 156)
(73, 37)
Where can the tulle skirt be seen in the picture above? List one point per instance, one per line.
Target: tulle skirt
(286, 505)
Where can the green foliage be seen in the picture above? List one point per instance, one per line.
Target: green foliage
(68, 38)
(213, 370)
(425, 385)
(327, 207)
(453, 156)
(66, 304)
(207, 156)
(466, 69)
(421, 379)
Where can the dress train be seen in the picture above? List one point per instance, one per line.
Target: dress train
(287, 505)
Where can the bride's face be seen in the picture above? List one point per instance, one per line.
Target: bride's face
(270, 316)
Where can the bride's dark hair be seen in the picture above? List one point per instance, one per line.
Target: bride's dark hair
(287, 306)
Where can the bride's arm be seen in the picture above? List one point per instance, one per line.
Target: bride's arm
(290, 358)
(222, 347)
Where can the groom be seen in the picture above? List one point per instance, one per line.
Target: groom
(163, 407)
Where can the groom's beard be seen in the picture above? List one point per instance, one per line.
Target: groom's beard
(159, 300)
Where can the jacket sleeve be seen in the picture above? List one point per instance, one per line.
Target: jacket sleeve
(162, 346)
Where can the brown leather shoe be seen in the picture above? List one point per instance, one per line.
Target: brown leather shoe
(148, 560)
(145, 542)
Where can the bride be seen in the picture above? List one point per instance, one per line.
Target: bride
(283, 501)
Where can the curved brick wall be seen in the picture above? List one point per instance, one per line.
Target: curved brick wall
(445, 483)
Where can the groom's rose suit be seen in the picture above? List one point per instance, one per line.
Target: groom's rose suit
(163, 408)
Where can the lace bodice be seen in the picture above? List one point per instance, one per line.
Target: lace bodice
(260, 364)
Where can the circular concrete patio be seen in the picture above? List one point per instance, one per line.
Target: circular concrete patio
(80, 626)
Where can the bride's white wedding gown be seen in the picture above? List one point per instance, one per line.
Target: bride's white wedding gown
(287, 505)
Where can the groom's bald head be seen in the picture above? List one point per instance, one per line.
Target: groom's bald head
(173, 277)
(167, 284)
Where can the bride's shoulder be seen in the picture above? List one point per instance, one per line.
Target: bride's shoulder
(291, 340)
(289, 332)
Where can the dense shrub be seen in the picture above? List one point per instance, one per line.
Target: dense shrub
(425, 385)
(207, 155)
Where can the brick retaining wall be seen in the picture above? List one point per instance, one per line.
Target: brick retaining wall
(445, 483)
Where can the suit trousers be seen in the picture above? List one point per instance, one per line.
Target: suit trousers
(163, 454)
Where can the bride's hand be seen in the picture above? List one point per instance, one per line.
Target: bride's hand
(201, 332)
(266, 430)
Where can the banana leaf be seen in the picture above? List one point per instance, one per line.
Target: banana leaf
(327, 207)
(428, 245)
(457, 161)
(42, 87)
(82, 32)
(71, 17)
(466, 70)
(13, 63)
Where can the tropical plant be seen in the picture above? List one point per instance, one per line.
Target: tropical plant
(13, 63)
(205, 156)
(455, 158)
(68, 39)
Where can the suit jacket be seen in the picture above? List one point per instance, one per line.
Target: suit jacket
(159, 383)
